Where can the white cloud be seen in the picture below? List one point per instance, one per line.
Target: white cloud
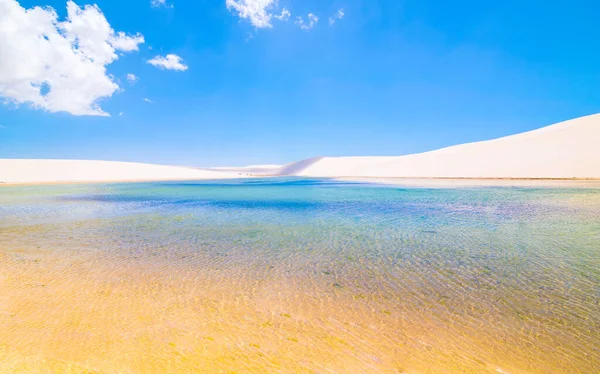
(123, 42)
(312, 21)
(169, 62)
(120, 114)
(284, 16)
(132, 78)
(148, 100)
(58, 66)
(258, 12)
(338, 15)
(159, 3)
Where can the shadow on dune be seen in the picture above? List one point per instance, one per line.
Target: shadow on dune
(298, 166)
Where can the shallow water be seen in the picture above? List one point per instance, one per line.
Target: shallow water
(297, 275)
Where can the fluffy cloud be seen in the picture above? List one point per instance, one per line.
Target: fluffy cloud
(131, 78)
(59, 66)
(338, 15)
(258, 12)
(312, 21)
(148, 100)
(169, 62)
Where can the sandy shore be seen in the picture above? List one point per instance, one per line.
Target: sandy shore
(476, 182)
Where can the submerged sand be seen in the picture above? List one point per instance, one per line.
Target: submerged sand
(172, 293)
(75, 314)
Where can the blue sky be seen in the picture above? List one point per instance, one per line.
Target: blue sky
(391, 77)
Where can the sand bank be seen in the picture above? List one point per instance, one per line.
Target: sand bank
(476, 182)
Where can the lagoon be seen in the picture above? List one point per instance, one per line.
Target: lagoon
(299, 275)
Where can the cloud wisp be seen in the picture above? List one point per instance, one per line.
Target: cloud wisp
(284, 16)
(132, 78)
(168, 62)
(160, 3)
(59, 66)
(311, 22)
(338, 15)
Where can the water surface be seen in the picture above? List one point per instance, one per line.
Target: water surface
(298, 275)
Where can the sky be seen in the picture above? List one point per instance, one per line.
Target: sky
(240, 82)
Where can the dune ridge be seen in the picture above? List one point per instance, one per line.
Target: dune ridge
(566, 150)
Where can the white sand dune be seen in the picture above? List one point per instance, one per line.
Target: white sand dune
(254, 170)
(569, 149)
(269, 166)
(56, 171)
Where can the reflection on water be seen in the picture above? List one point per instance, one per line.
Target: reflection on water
(299, 275)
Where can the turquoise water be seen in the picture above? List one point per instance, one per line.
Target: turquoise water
(499, 279)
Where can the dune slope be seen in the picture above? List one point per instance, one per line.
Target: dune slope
(49, 171)
(568, 149)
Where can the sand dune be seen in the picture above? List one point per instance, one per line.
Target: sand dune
(568, 149)
(48, 171)
(268, 166)
(254, 170)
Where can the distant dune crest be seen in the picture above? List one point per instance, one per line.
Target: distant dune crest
(564, 150)
(568, 149)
